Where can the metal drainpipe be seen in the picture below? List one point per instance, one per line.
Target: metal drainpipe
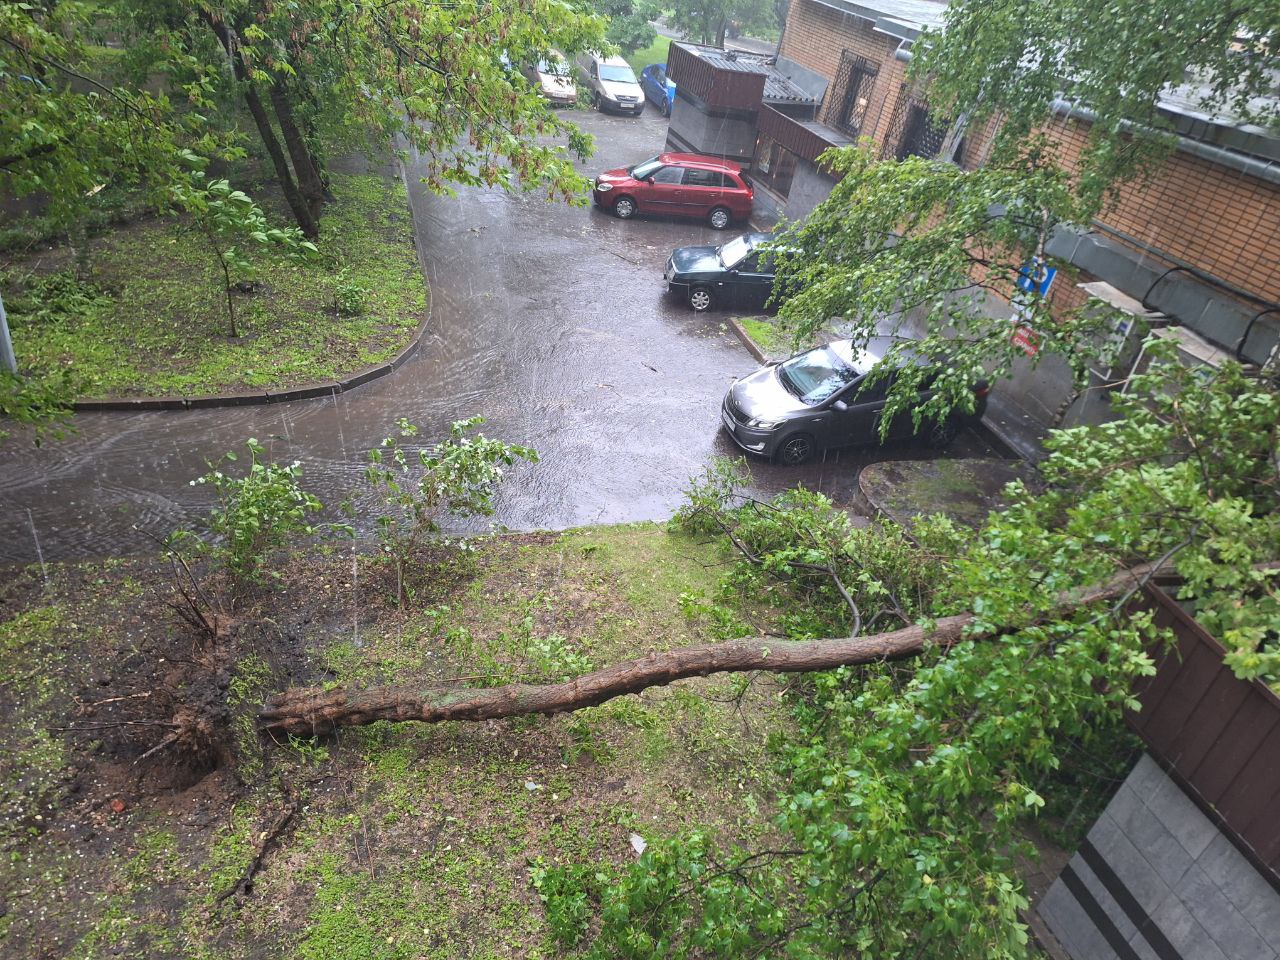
(1266, 170)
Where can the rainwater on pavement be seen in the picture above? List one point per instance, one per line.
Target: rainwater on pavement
(550, 321)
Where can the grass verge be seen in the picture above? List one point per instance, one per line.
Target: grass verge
(656, 52)
(151, 318)
(410, 841)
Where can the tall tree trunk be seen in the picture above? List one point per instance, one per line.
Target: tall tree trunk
(314, 710)
(304, 167)
(297, 205)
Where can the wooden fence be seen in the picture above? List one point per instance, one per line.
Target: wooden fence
(1217, 735)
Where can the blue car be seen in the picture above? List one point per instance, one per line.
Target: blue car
(658, 87)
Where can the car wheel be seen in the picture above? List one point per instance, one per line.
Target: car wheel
(701, 298)
(666, 109)
(795, 450)
(942, 432)
(624, 208)
(719, 218)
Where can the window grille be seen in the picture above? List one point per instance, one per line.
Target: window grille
(855, 83)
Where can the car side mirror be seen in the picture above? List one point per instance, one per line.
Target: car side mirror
(649, 180)
(840, 406)
(733, 272)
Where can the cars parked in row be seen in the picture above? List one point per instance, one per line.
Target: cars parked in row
(739, 273)
(659, 89)
(677, 184)
(612, 84)
(553, 78)
(818, 399)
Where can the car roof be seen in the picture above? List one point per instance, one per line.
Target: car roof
(698, 160)
(614, 61)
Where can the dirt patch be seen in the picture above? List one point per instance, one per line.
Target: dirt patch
(403, 841)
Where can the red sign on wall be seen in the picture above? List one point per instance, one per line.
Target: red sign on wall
(1025, 337)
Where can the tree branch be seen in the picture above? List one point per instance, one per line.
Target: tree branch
(314, 710)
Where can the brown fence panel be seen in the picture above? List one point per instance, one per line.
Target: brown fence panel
(1218, 735)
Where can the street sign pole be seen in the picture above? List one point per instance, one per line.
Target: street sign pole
(8, 361)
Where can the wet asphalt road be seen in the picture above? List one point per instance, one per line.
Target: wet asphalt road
(550, 321)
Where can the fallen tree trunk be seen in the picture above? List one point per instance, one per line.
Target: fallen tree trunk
(308, 711)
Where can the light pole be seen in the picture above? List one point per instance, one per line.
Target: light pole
(8, 361)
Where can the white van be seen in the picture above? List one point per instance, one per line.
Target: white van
(612, 84)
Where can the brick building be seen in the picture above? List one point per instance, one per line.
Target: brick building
(1194, 248)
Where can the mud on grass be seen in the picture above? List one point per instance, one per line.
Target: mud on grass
(407, 841)
(151, 319)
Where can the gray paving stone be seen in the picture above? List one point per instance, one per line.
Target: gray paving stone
(1154, 842)
(1063, 916)
(1072, 926)
(1185, 933)
(1143, 949)
(1109, 906)
(1181, 816)
(1241, 883)
(1145, 776)
(1225, 925)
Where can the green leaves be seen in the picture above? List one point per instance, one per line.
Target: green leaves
(454, 478)
(930, 252)
(256, 513)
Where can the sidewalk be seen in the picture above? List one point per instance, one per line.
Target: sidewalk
(1014, 428)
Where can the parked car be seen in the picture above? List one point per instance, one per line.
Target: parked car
(612, 84)
(552, 77)
(818, 399)
(658, 87)
(681, 184)
(738, 273)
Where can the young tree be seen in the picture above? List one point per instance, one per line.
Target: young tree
(456, 477)
(229, 219)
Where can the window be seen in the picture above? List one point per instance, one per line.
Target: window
(694, 177)
(668, 175)
(775, 166)
(855, 83)
(922, 136)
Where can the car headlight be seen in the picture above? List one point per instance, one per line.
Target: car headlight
(764, 424)
(604, 187)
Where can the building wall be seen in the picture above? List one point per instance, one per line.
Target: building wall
(817, 36)
(1222, 221)
(721, 133)
(1156, 878)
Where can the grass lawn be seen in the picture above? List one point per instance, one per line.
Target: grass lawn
(410, 841)
(768, 336)
(151, 318)
(656, 52)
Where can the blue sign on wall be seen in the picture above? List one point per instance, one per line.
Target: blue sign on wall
(1035, 276)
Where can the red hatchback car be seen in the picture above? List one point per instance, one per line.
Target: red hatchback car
(680, 184)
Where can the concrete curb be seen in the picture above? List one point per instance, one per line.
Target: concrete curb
(309, 391)
(752, 347)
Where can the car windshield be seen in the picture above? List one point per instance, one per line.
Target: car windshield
(733, 252)
(619, 74)
(816, 375)
(642, 170)
(553, 67)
